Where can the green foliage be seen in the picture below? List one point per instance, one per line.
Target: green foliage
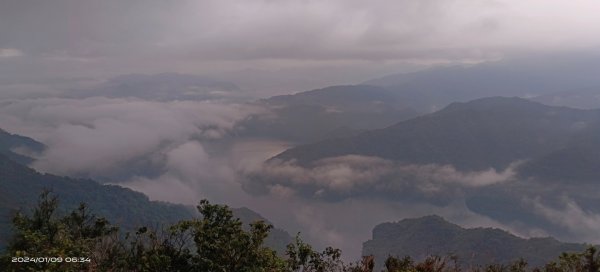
(589, 261)
(430, 264)
(44, 234)
(301, 257)
(223, 245)
(216, 242)
(397, 265)
(20, 187)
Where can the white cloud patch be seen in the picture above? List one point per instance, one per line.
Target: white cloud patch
(354, 175)
(581, 224)
(165, 188)
(94, 136)
(10, 52)
(194, 174)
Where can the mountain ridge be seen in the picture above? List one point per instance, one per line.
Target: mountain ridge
(21, 185)
(476, 135)
(433, 235)
(9, 142)
(321, 113)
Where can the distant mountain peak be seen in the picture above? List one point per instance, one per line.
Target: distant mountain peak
(433, 235)
(433, 223)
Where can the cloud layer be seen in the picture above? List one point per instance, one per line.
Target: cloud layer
(290, 43)
(353, 175)
(258, 29)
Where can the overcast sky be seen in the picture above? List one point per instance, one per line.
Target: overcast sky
(292, 44)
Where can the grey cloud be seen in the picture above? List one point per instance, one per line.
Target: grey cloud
(293, 30)
(296, 43)
(79, 28)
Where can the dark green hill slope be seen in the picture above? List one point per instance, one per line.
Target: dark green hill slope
(489, 132)
(432, 235)
(20, 187)
(9, 142)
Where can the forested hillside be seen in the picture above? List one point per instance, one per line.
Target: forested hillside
(20, 187)
(484, 133)
(432, 235)
(9, 143)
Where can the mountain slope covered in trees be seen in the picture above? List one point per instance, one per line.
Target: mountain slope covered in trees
(477, 135)
(11, 142)
(20, 187)
(432, 235)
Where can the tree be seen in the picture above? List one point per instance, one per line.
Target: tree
(301, 257)
(393, 264)
(44, 234)
(220, 242)
(215, 242)
(587, 261)
(223, 245)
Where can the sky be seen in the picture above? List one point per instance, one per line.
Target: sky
(292, 45)
(53, 52)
